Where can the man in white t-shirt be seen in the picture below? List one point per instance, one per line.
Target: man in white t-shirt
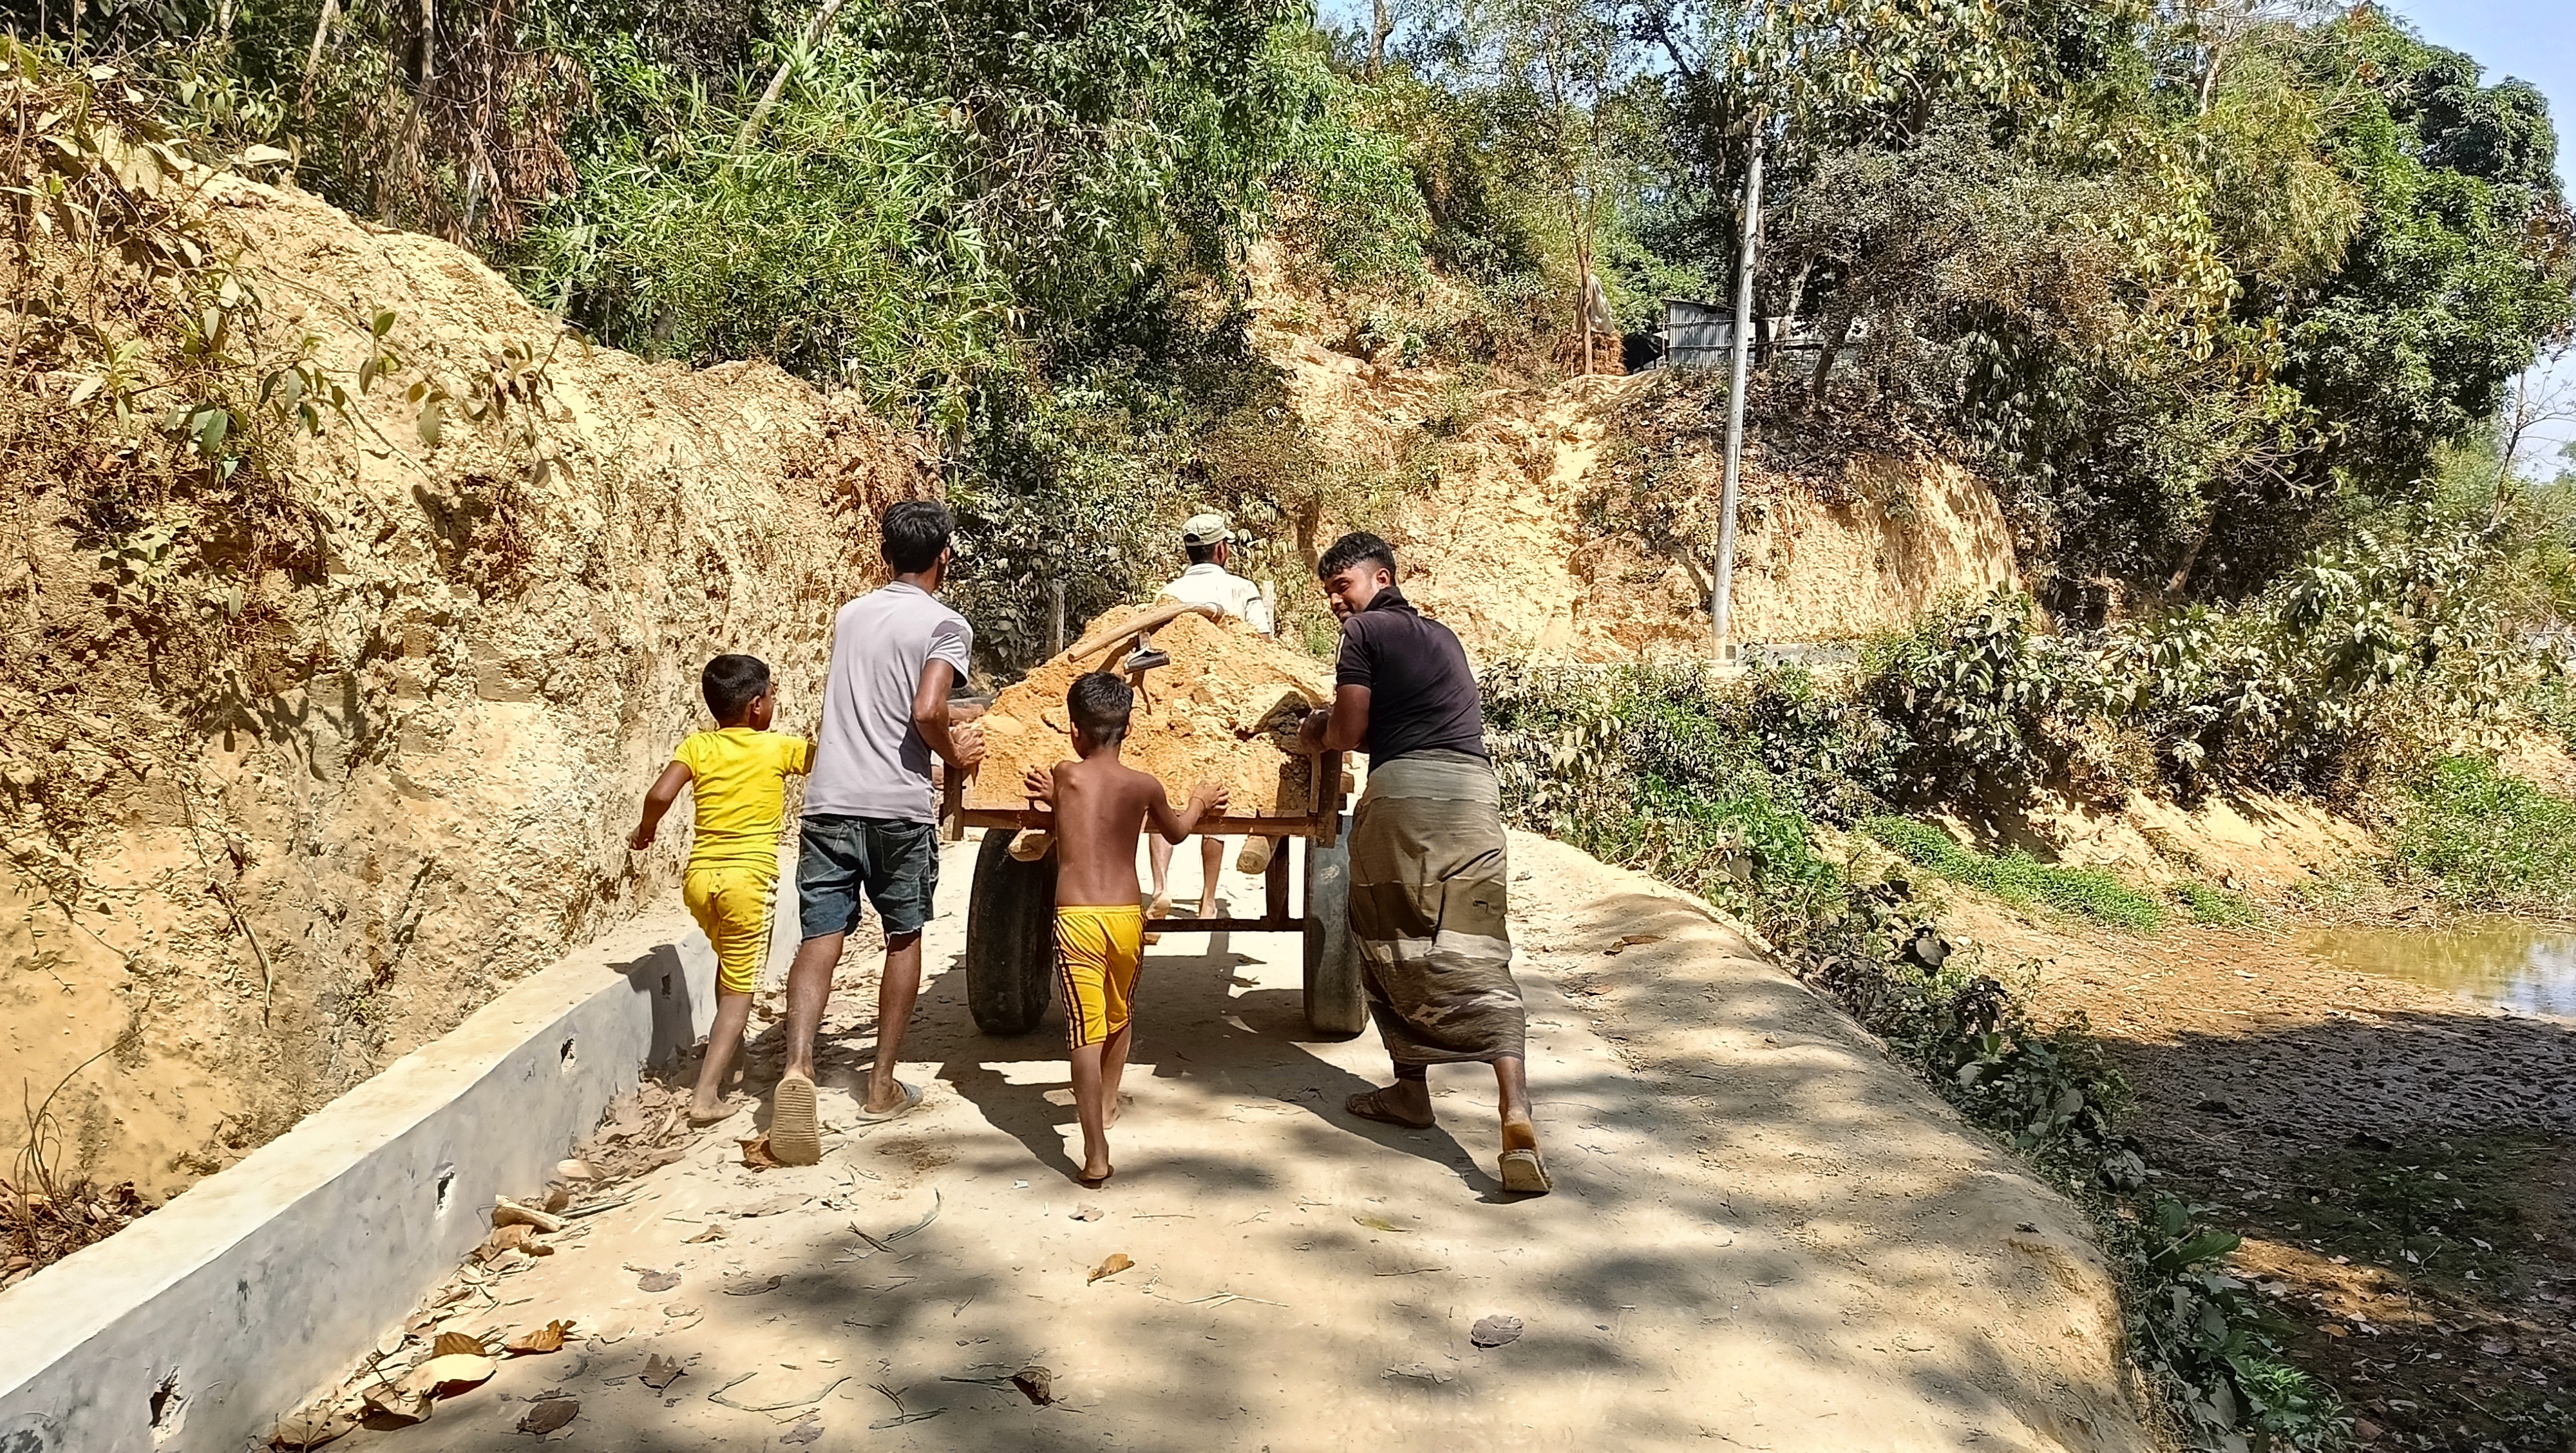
(1210, 547)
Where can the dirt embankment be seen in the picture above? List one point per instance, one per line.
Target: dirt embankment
(397, 772)
(1519, 539)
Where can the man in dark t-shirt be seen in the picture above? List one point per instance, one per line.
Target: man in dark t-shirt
(1428, 866)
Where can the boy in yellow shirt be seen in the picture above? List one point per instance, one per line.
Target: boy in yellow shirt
(739, 776)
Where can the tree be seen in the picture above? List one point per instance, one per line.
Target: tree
(1554, 75)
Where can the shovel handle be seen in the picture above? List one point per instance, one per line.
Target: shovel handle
(1151, 619)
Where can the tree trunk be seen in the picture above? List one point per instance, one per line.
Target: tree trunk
(2191, 555)
(428, 43)
(1381, 25)
(778, 83)
(313, 57)
(1835, 337)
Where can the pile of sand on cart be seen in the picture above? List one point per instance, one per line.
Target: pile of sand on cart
(1207, 717)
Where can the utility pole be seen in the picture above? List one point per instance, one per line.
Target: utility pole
(1721, 605)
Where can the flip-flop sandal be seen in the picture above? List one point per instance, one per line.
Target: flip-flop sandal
(795, 1130)
(911, 1101)
(1369, 1106)
(1524, 1174)
(1093, 1183)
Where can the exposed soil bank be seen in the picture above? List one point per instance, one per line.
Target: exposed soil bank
(234, 889)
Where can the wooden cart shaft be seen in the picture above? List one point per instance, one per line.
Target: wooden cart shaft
(1323, 825)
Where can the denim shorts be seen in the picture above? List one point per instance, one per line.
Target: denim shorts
(897, 862)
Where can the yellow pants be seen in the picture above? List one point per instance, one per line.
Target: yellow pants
(1097, 953)
(731, 904)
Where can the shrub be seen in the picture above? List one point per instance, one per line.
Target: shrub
(2479, 837)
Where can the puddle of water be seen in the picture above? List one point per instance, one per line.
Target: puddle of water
(2498, 961)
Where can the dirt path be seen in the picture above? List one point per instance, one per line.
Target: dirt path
(1764, 1236)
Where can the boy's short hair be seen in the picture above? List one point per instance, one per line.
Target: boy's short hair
(1353, 548)
(1100, 704)
(915, 532)
(1200, 554)
(732, 683)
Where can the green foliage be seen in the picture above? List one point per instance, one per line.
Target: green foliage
(1667, 769)
(2479, 837)
(2019, 879)
(831, 249)
(1973, 689)
(2217, 907)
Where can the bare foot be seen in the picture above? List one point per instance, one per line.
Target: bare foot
(703, 1112)
(1116, 1108)
(1094, 1177)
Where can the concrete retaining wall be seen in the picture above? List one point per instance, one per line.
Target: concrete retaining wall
(198, 1325)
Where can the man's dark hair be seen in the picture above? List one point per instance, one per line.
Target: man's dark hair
(915, 532)
(1353, 548)
(1099, 704)
(731, 683)
(1201, 554)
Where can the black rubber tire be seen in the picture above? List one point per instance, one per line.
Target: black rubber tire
(1010, 938)
(1336, 1008)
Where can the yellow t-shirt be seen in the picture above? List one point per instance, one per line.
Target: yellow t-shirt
(739, 778)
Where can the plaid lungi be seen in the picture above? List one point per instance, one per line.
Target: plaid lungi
(1429, 890)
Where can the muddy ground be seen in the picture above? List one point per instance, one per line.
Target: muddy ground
(2401, 1161)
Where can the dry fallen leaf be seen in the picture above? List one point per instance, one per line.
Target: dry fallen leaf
(505, 1238)
(660, 1372)
(1496, 1331)
(1380, 1223)
(455, 1342)
(543, 1418)
(1116, 1263)
(808, 1431)
(712, 1233)
(310, 1428)
(1036, 1382)
(450, 1374)
(751, 1287)
(398, 1401)
(576, 1170)
(755, 1154)
(1086, 1213)
(658, 1281)
(558, 1198)
(548, 1338)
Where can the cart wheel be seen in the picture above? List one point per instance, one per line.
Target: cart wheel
(1010, 938)
(1334, 1005)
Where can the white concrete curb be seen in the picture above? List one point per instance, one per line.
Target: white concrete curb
(196, 1327)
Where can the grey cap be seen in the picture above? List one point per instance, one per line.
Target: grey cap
(1206, 529)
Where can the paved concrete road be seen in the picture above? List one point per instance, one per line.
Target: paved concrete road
(1763, 1236)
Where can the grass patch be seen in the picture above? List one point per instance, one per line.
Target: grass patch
(2216, 907)
(2477, 837)
(2018, 878)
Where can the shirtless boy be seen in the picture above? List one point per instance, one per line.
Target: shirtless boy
(1101, 805)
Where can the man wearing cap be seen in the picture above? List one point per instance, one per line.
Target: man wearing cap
(1210, 547)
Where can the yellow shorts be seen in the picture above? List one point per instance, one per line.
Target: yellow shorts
(731, 904)
(1097, 952)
